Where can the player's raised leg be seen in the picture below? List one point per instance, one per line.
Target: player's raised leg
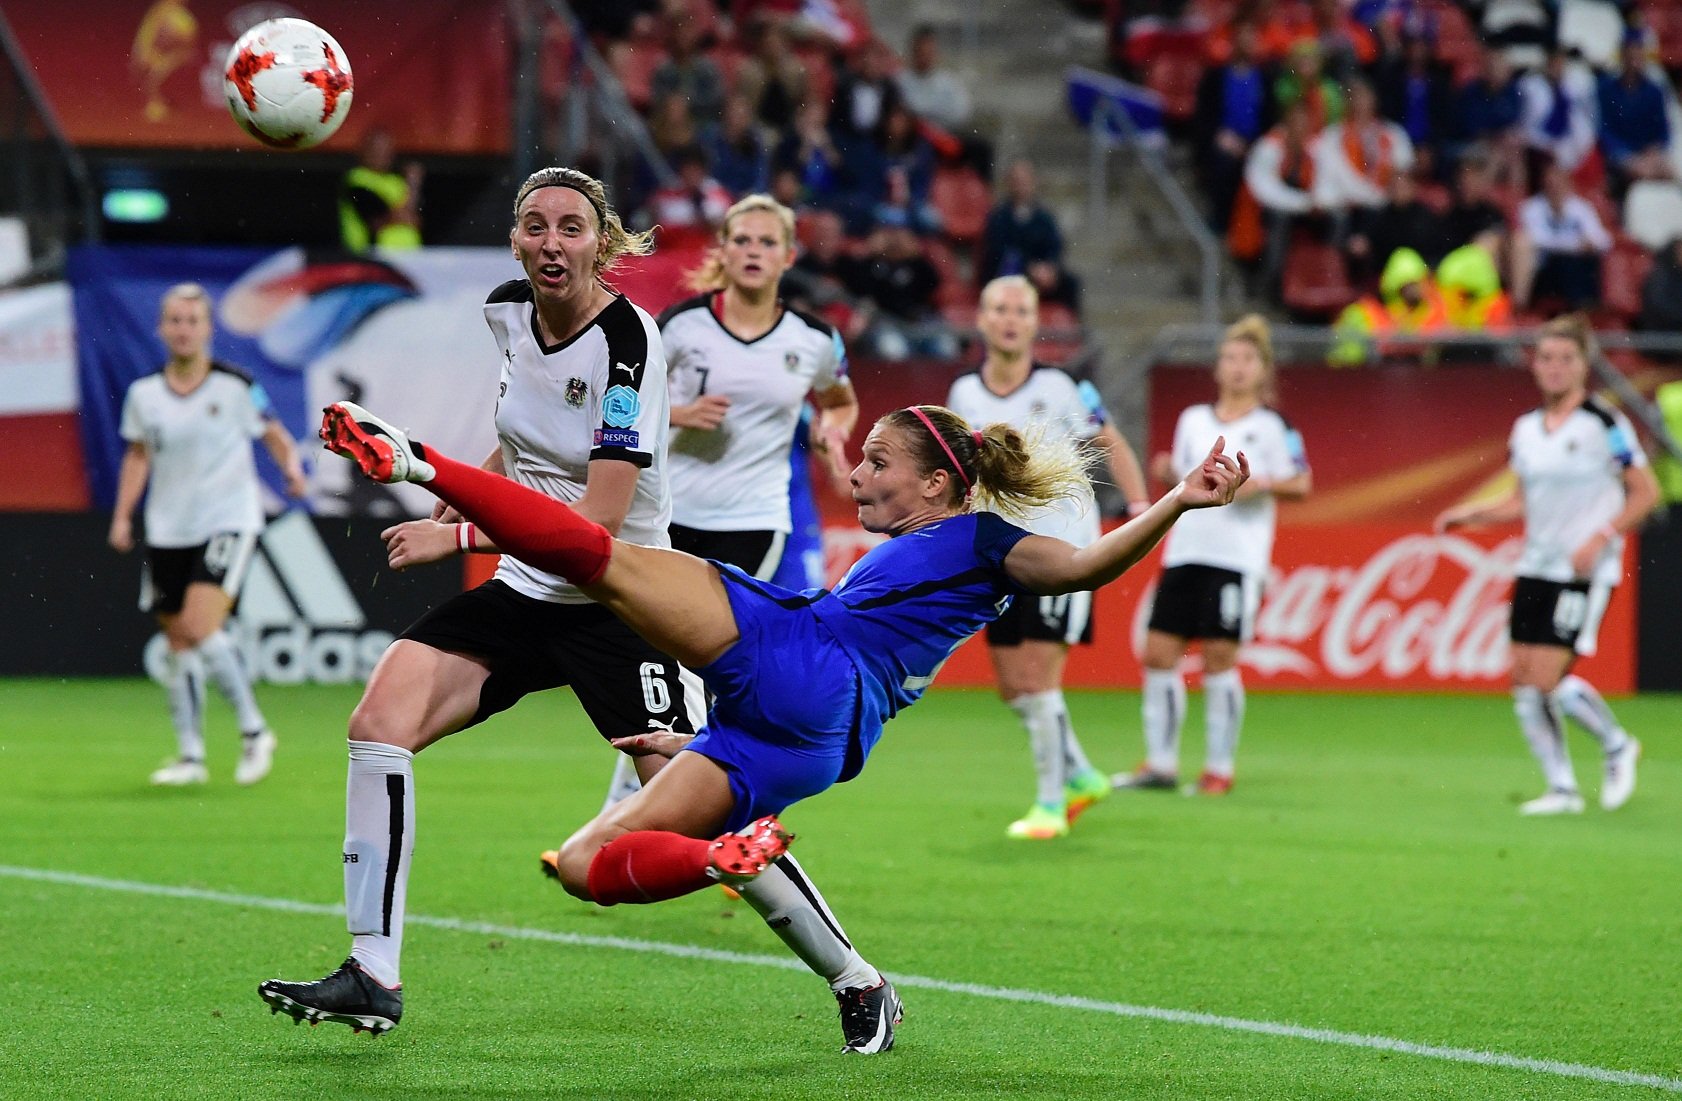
(1583, 705)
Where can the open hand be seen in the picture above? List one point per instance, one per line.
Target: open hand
(1216, 479)
(417, 542)
(831, 443)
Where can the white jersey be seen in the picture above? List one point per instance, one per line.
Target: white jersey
(1051, 400)
(735, 477)
(600, 395)
(203, 477)
(1238, 537)
(1573, 486)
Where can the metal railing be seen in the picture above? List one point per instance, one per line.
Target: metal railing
(1307, 344)
(44, 181)
(1110, 118)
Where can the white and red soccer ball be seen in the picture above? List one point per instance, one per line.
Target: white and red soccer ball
(288, 83)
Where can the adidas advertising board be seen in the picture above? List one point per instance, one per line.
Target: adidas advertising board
(318, 605)
(297, 619)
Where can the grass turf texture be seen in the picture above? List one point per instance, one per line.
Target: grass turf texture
(1368, 875)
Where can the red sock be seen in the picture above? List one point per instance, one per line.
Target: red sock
(648, 866)
(540, 531)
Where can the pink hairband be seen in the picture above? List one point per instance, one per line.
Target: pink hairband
(917, 412)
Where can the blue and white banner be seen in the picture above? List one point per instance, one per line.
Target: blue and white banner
(402, 334)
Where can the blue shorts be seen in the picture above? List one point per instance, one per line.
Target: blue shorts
(784, 723)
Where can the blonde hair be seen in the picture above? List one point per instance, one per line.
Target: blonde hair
(1012, 473)
(1253, 330)
(1019, 281)
(616, 240)
(185, 292)
(710, 275)
(1574, 327)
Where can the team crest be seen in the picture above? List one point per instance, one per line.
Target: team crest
(792, 361)
(576, 389)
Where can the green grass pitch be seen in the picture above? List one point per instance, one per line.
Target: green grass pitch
(1368, 876)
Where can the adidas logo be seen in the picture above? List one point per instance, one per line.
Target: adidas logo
(297, 620)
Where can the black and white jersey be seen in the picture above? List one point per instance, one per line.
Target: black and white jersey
(203, 476)
(1573, 484)
(735, 477)
(1238, 537)
(1048, 400)
(599, 395)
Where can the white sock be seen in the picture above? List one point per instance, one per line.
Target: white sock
(184, 682)
(1046, 718)
(379, 844)
(1223, 719)
(625, 782)
(797, 913)
(1164, 710)
(1578, 699)
(1539, 718)
(1074, 756)
(221, 658)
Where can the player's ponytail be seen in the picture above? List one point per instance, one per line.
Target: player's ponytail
(997, 468)
(710, 275)
(616, 240)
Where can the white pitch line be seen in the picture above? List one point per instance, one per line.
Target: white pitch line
(1469, 1056)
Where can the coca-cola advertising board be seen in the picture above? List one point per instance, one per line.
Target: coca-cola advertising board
(1362, 595)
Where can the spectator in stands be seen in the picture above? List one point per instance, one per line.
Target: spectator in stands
(1416, 91)
(1280, 175)
(818, 278)
(1523, 29)
(899, 283)
(1405, 222)
(864, 95)
(1407, 304)
(1472, 216)
(1634, 132)
(1558, 119)
(1488, 112)
(908, 168)
(939, 97)
(1234, 109)
(690, 209)
(773, 79)
(616, 19)
(740, 158)
(1305, 80)
(1021, 237)
(1661, 293)
(1345, 45)
(689, 73)
(810, 153)
(671, 126)
(1557, 250)
(1355, 162)
(379, 206)
(787, 189)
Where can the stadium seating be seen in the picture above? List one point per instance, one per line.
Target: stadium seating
(1621, 276)
(1316, 279)
(963, 199)
(1653, 213)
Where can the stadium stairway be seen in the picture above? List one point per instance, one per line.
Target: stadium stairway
(1141, 273)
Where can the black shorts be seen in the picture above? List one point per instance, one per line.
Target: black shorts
(1065, 618)
(1204, 602)
(625, 685)
(1555, 613)
(755, 553)
(222, 561)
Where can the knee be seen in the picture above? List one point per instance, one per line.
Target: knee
(372, 722)
(573, 865)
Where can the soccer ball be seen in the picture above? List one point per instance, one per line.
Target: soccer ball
(288, 83)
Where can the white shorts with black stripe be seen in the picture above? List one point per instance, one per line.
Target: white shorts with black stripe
(223, 561)
(1555, 613)
(1065, 618)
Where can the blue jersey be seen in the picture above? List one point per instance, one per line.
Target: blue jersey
(905, 606)
(802, 696)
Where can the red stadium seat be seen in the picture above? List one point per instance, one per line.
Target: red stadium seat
(1666, 20)
(634, 64)
(1622, 272)
(1175, 77)
(963, 199)
(955, 289)
(1316, 279)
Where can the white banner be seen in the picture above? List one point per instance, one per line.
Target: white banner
(37, 351)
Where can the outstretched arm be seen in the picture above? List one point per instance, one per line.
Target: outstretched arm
(1048, 566)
